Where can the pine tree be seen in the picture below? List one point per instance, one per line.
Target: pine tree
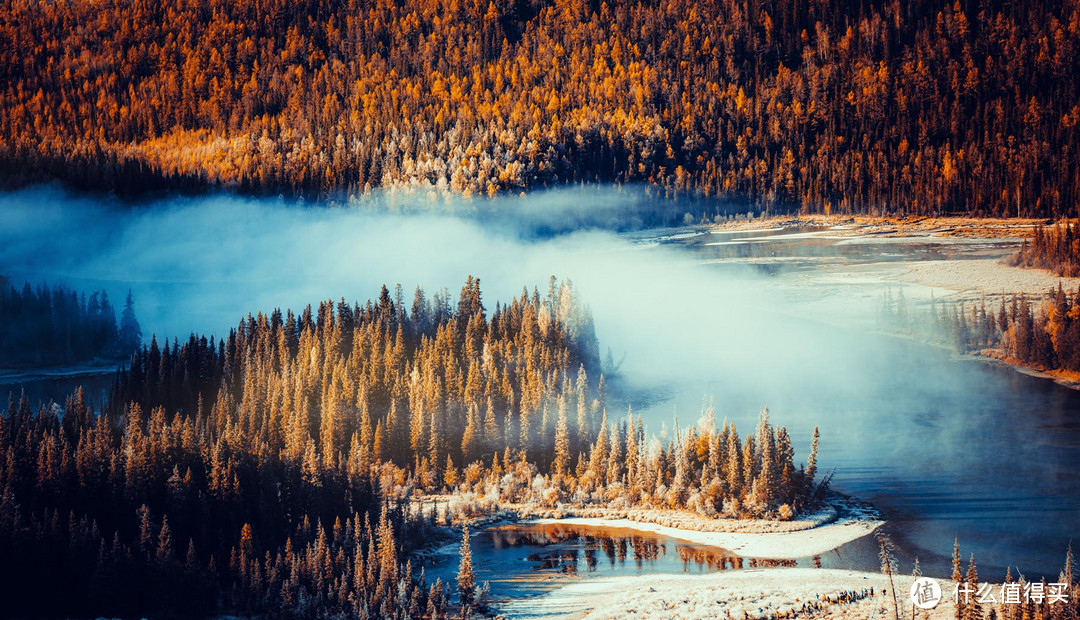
(165, 542)
(471, 439)
(734, 464)
(599, 454)
(958, 577)
(130, 333)
(450, 474)
(146, 542)
(888, 565)
(974, 609)
(561, 465)
(811, 462)
(466, 579)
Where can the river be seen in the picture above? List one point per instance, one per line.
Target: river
(946, 447)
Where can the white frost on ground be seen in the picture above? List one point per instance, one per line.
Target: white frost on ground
(985, 277)
(737, 594)
(772, 545)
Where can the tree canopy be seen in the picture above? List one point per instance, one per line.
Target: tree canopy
(875, 106)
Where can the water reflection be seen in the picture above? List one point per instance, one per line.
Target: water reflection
(519, 560)
(575, 548)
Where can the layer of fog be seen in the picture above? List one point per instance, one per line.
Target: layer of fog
(201, 264)
(894, 415)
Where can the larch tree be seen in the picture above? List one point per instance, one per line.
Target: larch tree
(561, 463)
(811, 461)
(974, 608)
(958, 578)
(466, 578)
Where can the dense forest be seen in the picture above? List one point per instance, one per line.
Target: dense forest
(1056, 248)
(275, 470)
(46, 326)
(917, 107)
(1043, 334)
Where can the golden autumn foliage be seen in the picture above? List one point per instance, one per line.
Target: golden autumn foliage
(826, 106)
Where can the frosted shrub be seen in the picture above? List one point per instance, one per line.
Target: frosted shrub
(580, 497)
(619, 503)
(731, 507)
(614, 490)
(785, 512)
(491, 496)
(539, 485)
(459, 506)
(470, 505)
(660, 494)
(511, 487)
(702, 505)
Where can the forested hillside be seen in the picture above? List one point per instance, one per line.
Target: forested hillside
(872, 106)
(272, 472)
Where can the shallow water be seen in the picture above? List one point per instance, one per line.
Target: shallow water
(945, 447)
(530, 559)
(41, 388)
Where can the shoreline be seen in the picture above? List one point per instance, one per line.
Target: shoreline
(839, 521)
(966, 279)
(747, 593)
(770, 545)
(890, 226)
(62, 371)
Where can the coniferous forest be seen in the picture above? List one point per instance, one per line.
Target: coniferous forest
(48, 326)
(275, 471)
(1040, 333)
(876, 106)
(1056, 248)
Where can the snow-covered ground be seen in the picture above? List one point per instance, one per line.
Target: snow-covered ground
(772, 545)
(737, 594)
(984, 277)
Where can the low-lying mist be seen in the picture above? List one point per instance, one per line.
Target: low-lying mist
(680, 329)
(201, 264)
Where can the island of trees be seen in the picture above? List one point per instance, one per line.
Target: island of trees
(276, 470)
(46, 326)
(815, 105)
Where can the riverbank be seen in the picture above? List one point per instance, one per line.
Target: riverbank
(784, 545)
(839, 521)
(866, 225)
(750, 593)
(978, 268)
(977, 278)
(95, 367)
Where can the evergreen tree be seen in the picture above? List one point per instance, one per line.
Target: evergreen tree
(466, 579)
(561, 463)
(811, 461)
(130, 334)
(974, 608)
(958, 578)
